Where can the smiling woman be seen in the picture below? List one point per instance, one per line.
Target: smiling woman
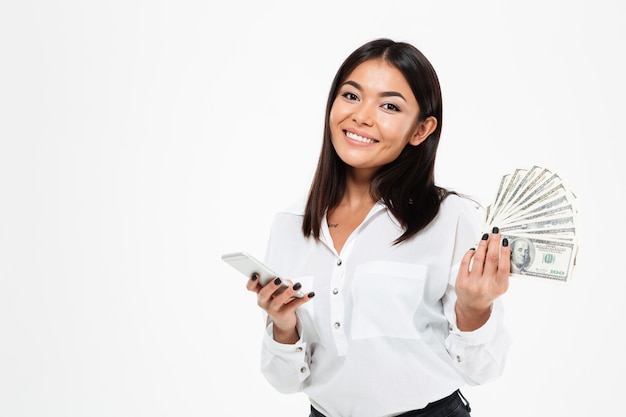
(381, 253)
(374, 117)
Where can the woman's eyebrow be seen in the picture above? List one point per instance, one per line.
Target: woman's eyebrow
(383, 94)
(353, 84)
(391, 94)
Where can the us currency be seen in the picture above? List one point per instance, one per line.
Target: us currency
(543, 223)
(536, 210)
(545, 189)
(492, 207)
(541, 258)
(558, 206)
(526, 184)
(506, 186)
(529, 205)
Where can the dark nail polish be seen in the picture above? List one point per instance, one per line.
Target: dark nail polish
(277, 281)
(485, 236)
(505, 242)
(472, 249)
(495, 230)
(297, 286)
(254, 277)
(311, 295)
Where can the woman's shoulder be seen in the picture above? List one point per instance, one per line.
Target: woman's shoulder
(290, 216)
(459, 205)
(295, 208)
(286, 227)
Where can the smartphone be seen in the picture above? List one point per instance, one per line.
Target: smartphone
(248, 265)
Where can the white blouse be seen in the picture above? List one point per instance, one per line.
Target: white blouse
(380, 338)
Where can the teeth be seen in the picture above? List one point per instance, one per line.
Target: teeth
(359, 138)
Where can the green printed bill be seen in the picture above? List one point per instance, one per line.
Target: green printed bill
(536, 210)
(542, 258)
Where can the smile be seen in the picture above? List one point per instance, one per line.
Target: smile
(358, 138)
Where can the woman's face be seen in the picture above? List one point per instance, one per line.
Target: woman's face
(374, 116)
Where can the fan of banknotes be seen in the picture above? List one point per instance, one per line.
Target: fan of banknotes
(535, 209)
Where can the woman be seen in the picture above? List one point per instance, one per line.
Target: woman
(399, 312)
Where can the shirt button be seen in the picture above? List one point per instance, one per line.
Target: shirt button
(299, 349)
(335, 291)
(339, 262)
(337, 325)
(458, 358)
(303, 369)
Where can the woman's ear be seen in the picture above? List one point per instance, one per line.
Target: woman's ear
(423, 130)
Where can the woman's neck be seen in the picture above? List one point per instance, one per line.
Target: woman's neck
(357, 193)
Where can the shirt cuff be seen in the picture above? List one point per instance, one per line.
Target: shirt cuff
(484, 334)
(293, 354)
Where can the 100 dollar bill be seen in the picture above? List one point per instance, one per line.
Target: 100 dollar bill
(541, 258)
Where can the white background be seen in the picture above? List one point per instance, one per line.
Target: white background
(140, 140)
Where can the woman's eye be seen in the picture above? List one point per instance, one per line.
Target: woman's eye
(392, 107)
(350, 96)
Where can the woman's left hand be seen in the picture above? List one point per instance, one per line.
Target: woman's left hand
(483, 276)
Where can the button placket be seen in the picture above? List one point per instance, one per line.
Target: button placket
(337, 306)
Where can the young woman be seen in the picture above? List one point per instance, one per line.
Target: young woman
(401, 306)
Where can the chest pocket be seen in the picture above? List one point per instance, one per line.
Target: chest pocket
(386, 296)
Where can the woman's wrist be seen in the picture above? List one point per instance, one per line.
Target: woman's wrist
(287, 337)
(470, 319)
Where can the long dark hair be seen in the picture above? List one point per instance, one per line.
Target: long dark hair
(406, 185)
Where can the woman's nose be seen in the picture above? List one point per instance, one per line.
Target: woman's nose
(363, 115)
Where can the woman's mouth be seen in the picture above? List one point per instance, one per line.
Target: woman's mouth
(358, 138)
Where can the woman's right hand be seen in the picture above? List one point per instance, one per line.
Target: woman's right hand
(280, 305)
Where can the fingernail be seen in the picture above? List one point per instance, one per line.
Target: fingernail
(254, 277)
(485, 236)
(472, 249)
(505, 242)
(277, 281)
(311, 295)
(297, 286)
(495, 230)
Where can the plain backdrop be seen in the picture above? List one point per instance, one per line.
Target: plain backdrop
(140, 140)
